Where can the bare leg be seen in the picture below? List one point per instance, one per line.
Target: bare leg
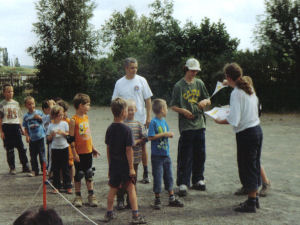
(264, 175)
(132, 196)
(110, 198)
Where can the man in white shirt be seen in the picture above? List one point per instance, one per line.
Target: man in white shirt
(134, 86)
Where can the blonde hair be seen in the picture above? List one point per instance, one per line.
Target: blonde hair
(55, 110)
(130, 102)
(158, 104)
(117, 106)
(27, 98)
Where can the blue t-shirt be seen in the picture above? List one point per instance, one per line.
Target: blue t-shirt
(159, 146)
(34, 127)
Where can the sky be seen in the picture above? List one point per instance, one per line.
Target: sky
(239, 17)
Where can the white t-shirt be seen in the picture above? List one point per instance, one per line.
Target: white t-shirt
(10, 112)
(59, 141)
(137, 89)
(243, 110)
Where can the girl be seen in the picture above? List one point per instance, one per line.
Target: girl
(57, 132)
(243, 117)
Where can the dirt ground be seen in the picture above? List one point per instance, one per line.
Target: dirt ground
(280, 157)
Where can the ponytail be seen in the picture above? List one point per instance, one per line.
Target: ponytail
(235, 72)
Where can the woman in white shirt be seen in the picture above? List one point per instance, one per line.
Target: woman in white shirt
(244, 118)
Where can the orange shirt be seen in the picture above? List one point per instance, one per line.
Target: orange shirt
(82, 133)
(71, 161)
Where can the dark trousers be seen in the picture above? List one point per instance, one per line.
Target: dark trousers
(191, 156)
(13, 139)
(249, 143)
(60, 161)
(37, 148)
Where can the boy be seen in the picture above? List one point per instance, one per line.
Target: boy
(35, 134)
(140, 138)
(119, 141)
(189, 98)
(10, 130)
(134, 86)
(158, 134)
(82, 149)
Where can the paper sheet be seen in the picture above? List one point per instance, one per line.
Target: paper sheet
(219, 86)
(218, 112)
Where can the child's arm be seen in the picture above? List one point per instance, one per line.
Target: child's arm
(38, 117)
(203, 103)
(95, 152)
(27, 135)
(108, 158)
(219, 121)
(129, 154)
(1, 131)
(161, 135)
(183, 111)
(72, 134)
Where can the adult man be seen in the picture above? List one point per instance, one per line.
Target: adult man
(134, 86)
(188, 100)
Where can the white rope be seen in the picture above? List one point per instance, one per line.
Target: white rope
(85, 216)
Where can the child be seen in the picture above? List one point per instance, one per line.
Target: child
(57, 133)
(189, 98)
(158, 134)
(65, 106)
(11, 130)
(82, 149)
(266, 185)
(243, 116)
(140, 138)
(35, 134)
(119, 141)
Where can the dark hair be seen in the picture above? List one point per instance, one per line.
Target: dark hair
(235, 72)
(6, 85)
(118, 105)
(81, 98)
(129, 60)
(45, 104)
(46, 217)
(24, 218)
(63, 104)
(157, 105)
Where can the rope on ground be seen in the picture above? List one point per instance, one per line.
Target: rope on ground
(81, 213)
(30, 203)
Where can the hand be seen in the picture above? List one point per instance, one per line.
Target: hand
(53, 134)
(95, 153)
(27, 139)
(225, 82)
(218, 120)
(60, 132)
(76, 158)
(170, 134)
(37, 117)
(131, 172)
(202, 104)
(22, 131)
(188, 114)
(2, 136)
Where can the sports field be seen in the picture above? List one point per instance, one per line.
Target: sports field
(280, 157)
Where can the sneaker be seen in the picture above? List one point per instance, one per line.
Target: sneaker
(77, 201)
(92, 201)
(246, 207)
(157, 204)
(200, 185)
(145, 180)
(12, 172)
(182, 190)
(176, 203)
(265, 189)
(120, 205)
(138, 220)
(69, 191)
(241, 191)
(31, 174)
(109, 217)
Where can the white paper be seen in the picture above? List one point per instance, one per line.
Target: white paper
(219, 86)
(218, 112)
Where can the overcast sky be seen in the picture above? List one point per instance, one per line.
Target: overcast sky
(239, 16)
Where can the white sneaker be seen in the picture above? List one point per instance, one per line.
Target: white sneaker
(182, 190)
(200, 185)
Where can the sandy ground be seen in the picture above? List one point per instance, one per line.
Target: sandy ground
(280, 156)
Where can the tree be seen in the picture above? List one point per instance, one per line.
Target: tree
(17, 63)
(5, 57)
(66, 47)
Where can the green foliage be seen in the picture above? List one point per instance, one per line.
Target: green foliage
(17, 63)
(66, 47)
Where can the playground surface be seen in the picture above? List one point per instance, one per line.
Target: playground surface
(280, 157)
